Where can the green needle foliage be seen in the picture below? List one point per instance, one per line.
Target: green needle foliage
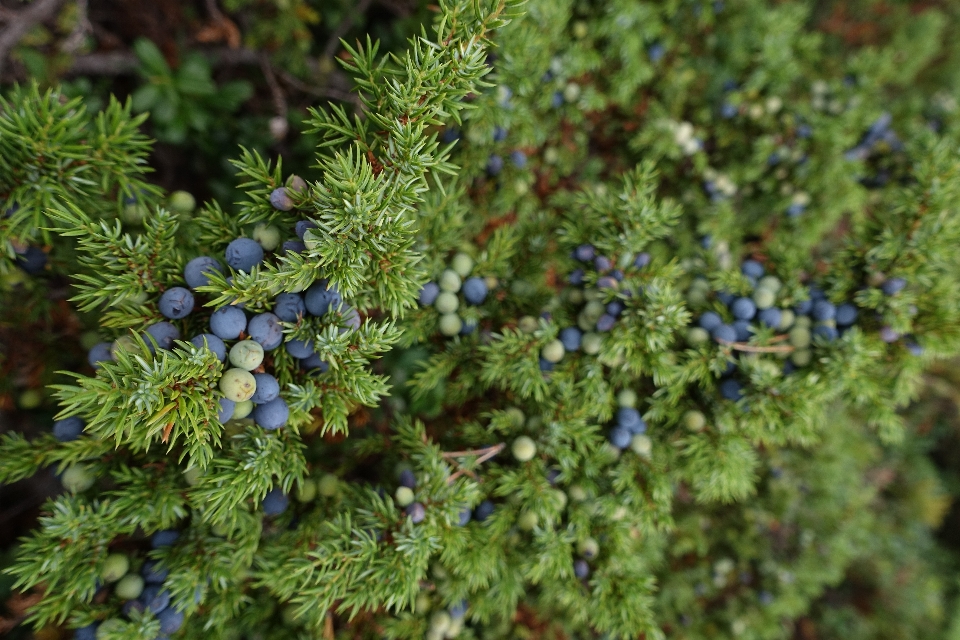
(453, 463)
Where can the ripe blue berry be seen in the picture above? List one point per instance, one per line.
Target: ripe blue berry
(428, 294)
(349, 319)
(314, 363)
(299, 348)
(642, 260)
(195, 273)
(227, 407)
(465, 516)
(100, 352)
(408, 479)
(156, 598)
(280, 199)
(88, 632)
(275, 502)
(628, 418)
(620, 437)
(289, 307)
(32, 260)
(803, 308)
(846, 314)
(265, 328)
(227, 323)
(163, 333)
(724, 333)
(606, 322)
(752, 269)
(888, 335)
(271, 415)
(584, 253)
(731, 389)
(302, 226)
(164, 538)
(475, 290)
(743, 309)
(176, 303)
(494, 165)
(710, 320)
(152, 574)
(742, 327)
(267, 388)
(518, 158)
(770, 317)
(576, 277)
(483, 511)
(243, 254)
(602, 264)
(893, 286)
(211, 342)
(824, 310)
(292, 246)
(581, 569)
(417, 512)
(826, 331)
(726, 297)
(320, 297)
(68, 429)
(570, 338)
(170, 620)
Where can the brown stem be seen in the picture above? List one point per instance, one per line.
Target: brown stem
(20, 22)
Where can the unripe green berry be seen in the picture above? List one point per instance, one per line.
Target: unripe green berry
(787, 318)
(803, 321)
(450, 324)
(577, 493)
(182, 202)
(77, 478)
(627, 398)
(561, 498)
(591, 343)
(134, 213)
(422, 604)
(697, 336)
(588, 548)
(574, 296)
(115, 567)
(594, 310)
(247, 355)
(527, 521)
(447, 302)
(553, 351)
(328, 485)
(764, 298)
(801, 357)
(516, 416)
(696, 297)
(242, 409)
(800, 337)
(694, 420)
(404, 496)
(440, 621)
(192, 476)
(528, 324)
(491, 282)
(462, 264)
(306, 490)
(237, 385)
(524, 448)
(267, 235)
(30, 399)
(130, 587)
(641, 444)
(770, 282)
(123, 343)
(450, 281)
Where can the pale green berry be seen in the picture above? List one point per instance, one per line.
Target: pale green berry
(238, 385)
(527, 521)
(553, 351)
(450, 324)
(462, 264)
(697, 336)
(440, 621)
(491, 282)
(77, 478)
(641, 445)
(764, 298)
(267, 235)
(515, 416)
(242, 409)
(182, 202)
(528, 324)
(803, 321)
(696, 298)
(786, 319)
(30, 399)
(447, 302)
(594, 309)
(306, 490)
(584, 322)
(134, 213)
(770, 282)
(404, 496)
(450, 281)
(524, 448)
(577, 493)
(288, 615)
(115, 567)
(580, 29)
(219, 529)
(561, 498)
(591, 343)
(130, 587)
(571, 92)
(423, 603)
(588, 548)
(627, 398)
(801, 357)
(246, 354)
(574, 296)
(800, 337)
(328, 485)
(122, 344)
(192, 476)
(694, 420)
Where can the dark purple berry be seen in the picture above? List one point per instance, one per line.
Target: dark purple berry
(211, 342)
(417, 512)
(265, 328)
(227, 323)
(195, 273)
(271, 415)
(68, 429)
(243, 254)
(428, 294)
(176, 303)
(275, 502)
(267, 388)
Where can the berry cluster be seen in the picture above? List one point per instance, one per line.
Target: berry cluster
(442, 295)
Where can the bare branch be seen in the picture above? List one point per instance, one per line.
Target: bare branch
(19, 23)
